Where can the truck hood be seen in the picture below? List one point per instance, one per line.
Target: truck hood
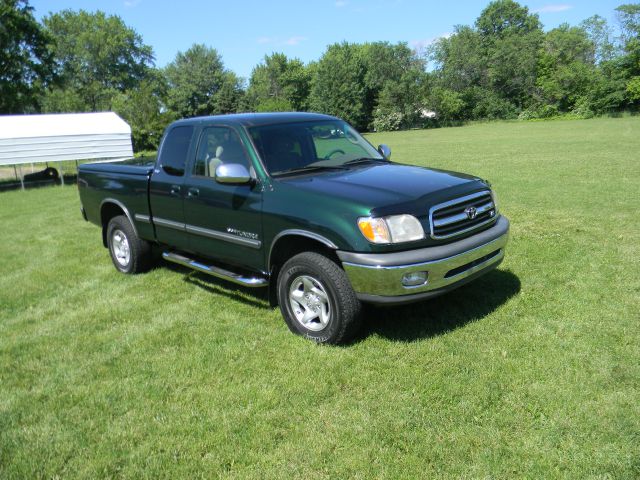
(389, 188)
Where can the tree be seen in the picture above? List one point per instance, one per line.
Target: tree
(144, 109)
(200, 85)
(279, 84)
(231, 94)
(510, 38)
(96, 57)
(633, 89)
(503, 18)
(26, 63)
(447, 103)
(394, 77)
(629, 19)
(350, 80)
(459, 59)
(339, 86)
(566, 67)
(601, 34)
(491, 66)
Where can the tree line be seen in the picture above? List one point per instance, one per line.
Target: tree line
(503, 66)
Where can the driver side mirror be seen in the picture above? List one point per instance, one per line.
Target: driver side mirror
(233, 173)
(385, 151)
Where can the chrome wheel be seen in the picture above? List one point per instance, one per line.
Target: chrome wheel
(120, 247)
(310, 303)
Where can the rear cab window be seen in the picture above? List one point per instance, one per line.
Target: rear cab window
(174, 150)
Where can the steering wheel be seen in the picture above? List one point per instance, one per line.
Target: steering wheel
(333, 152)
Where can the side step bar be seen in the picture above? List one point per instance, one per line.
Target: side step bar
(216, 271)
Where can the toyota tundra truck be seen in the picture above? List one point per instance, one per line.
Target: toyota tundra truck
(302, 204)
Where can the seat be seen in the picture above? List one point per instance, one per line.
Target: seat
(214, 162)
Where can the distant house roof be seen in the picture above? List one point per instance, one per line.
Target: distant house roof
(59, 137)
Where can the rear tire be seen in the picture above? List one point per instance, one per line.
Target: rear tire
(129, 253)
(317, 300)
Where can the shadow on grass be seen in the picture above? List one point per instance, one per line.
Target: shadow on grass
(254, 297)
(443, 314)
(408, 323)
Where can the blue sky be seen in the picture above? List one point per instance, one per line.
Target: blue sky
(243, 31)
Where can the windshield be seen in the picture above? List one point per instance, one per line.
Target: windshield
(299, 146)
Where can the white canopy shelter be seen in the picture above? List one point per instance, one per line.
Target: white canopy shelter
(58, 137)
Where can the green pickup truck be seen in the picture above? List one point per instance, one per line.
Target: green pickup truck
(302, 204)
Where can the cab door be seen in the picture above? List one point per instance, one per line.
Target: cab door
(166, 189)
(223, 221)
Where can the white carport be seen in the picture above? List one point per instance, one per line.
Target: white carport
(27, 139)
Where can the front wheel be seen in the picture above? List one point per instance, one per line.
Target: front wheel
(317, 300)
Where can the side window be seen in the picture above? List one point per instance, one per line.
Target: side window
(218, 145)
(175, 148)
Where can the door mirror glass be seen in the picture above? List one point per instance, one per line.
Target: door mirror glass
(385, 151)
(232, 173)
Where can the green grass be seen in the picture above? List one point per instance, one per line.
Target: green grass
(532, 371)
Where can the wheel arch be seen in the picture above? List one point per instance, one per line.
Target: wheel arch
(110, 208)
(289, 243)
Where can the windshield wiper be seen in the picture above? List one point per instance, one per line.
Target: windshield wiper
(308, 168)
(364, 160)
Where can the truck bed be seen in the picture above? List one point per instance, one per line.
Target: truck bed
(125, 184)
(134, 166)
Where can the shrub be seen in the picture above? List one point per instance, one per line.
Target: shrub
(582, 108)
(387, 120)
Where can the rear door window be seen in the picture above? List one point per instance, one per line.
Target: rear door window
(175, 148)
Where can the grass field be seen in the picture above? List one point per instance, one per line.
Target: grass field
(532, 371)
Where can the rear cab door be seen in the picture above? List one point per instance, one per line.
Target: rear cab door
(166, 188)
(223, 222)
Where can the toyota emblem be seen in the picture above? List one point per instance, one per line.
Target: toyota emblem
(471, 212)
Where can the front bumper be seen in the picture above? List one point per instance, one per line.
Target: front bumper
(377, 278)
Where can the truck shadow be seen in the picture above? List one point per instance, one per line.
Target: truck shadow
(257, 297)
(408, 323)
(443, 314)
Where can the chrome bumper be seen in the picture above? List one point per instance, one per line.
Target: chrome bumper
(376, 279)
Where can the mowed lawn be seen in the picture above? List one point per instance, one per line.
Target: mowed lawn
(532, 371)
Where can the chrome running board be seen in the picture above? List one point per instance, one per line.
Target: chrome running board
(215, 271)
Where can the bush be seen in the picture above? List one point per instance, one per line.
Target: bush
(633, 89)
(582, 108)
(274, 105)
(488, 105)
(548, 111)
(387, 121)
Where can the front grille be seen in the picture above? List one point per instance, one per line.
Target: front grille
(462, 215)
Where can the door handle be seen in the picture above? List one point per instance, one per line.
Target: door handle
(193, 192)
(175, 190)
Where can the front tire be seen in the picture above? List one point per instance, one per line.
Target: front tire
(317, 300)
(129, 253)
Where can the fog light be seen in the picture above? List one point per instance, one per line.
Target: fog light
(414, 279)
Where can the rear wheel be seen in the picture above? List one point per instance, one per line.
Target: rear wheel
(129, 253)
(317, 300)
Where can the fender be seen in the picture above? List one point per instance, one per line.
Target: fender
(301, 233)
(124, 209)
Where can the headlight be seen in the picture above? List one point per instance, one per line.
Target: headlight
(392, 229)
